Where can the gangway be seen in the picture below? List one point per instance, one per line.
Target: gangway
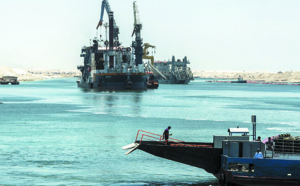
(156, 70)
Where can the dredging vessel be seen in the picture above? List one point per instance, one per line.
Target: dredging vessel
(173, 72)
(168, 72)
(110, 66)
(230, 158)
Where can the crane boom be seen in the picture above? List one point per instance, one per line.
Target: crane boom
(105, 6)
(137, 44)
(136, 14)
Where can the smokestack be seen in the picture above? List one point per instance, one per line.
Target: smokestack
(111, 30)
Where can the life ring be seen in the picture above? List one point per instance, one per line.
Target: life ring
(116, 43)
(128, 49)
(106, 43)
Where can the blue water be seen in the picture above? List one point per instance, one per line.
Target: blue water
(52, 132)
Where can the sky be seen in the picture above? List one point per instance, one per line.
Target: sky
(215, 35)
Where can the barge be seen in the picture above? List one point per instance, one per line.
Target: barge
(229, 158)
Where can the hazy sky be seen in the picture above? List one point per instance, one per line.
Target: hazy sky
(231, 35)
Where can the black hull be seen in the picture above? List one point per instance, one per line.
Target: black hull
(152, 85)
(238, 82)
(116, 82)
(206, 158)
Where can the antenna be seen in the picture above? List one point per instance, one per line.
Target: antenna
(253, 118)
(106, 26)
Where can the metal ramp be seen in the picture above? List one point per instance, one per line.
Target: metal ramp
(198, 154)
(156, 70)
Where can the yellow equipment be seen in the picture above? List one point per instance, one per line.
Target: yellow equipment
(146, 52)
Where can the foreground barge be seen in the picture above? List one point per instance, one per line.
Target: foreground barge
(228, 158)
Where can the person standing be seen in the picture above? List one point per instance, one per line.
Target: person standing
(258, 155)
(259, 138)
(269, 144)
(166, 134)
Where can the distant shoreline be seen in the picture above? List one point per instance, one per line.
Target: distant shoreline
(27, 79)
(283, 77)
(39, 75)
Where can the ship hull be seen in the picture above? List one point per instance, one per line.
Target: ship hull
(116, 82)
(201, 157)
(271, 172)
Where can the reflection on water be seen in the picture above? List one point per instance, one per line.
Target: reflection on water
(124, 102)
(137, 98)
(111, 91)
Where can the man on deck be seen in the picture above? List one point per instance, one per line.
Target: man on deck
(269, 144)
(166, 134)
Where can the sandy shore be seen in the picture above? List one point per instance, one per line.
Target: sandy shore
(35, 75)
(289, 76)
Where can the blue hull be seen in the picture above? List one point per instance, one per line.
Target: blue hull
(262, 172)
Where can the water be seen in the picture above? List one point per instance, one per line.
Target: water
(55, 133)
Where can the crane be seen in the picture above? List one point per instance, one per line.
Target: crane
(105, 5)
(146, 52)
(137, 44)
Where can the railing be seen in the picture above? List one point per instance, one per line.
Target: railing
(287, 146)
(149, 136)
(145, 135)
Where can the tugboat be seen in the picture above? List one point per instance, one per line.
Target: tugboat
(230, 158)
(152, 83)
(110, 66)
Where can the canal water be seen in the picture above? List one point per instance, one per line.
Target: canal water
(52, 132)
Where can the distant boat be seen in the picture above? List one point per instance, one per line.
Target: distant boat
(5, 80)
(240, 80)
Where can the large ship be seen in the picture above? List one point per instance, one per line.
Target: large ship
(173, 72)
(110, 66)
